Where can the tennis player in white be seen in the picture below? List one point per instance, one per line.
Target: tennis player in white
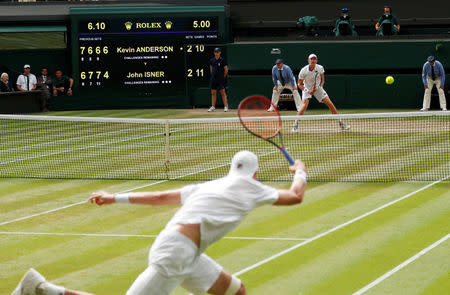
(311, 80)
(209, 212)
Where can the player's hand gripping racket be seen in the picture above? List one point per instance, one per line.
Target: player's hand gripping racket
(258, 121)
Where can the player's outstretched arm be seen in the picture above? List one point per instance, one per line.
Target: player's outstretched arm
(294, 195)
(145, 198)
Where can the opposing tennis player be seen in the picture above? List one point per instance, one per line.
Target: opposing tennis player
(311, 80)
(209, 211)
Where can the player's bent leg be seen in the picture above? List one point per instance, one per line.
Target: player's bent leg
(334, 111)
(227, 284)
(330, 105)
(33, 283)
(153, 282)
(304, 106)
(72, 292)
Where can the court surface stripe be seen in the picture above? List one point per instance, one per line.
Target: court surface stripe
(264, 261)
(400, 266)
(142, 236)
(125, 191)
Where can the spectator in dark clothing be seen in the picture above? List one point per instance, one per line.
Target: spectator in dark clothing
(44, 83)
(219, 70)
(388, 23)
(62, 85)
(5, 84)
(344, 25)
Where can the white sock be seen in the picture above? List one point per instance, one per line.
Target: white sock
(51, 289)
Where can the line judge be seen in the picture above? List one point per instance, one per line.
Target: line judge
(283, 78)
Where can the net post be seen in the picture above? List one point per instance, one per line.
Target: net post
(167, 145)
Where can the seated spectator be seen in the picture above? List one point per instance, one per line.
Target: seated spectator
(62, 85)
(344, 25)
(44, 83)
(5, 84)
(310, 24)
(387, 23)
(26, 81)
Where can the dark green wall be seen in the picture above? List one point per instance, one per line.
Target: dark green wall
(355, 71)
(346, 91)
(336, 55)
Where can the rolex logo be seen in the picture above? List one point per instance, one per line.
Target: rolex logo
(128, 25)
(168, 24)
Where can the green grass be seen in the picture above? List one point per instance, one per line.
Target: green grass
(196, 113)
(340, 262)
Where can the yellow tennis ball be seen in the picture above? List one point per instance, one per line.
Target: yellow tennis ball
(389, 80)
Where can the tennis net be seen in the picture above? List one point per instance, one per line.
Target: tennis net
(378, 147)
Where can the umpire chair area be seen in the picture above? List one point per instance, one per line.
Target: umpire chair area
(286, 102)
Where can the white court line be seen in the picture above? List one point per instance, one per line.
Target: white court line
(74, 204)
(129, 190)
(139, 236)
(400, 266)
(335, 228)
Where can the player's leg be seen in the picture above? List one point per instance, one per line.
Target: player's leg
(71, 292)
(330, 105)
(153, 282)
(209, 277)
(34, 283)
(213, 100)
(224, 99)
(227, 284)
(427, 95)
(326, 100)
(276, 96)
(304, 106)
(442, 101)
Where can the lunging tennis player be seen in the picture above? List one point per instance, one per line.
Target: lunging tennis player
(209, 212)
(311, 80)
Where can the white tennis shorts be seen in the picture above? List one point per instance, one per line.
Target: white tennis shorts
(174, 261)
(319, 94)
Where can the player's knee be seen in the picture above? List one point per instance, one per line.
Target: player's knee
(242, 290)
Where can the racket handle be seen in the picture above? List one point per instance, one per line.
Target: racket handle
(287, 155)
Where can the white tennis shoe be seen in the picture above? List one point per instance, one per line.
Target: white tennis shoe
(424, 110)
(294, 129)
(212, 109)
(225, 109)
(29, 283)
(444, 109)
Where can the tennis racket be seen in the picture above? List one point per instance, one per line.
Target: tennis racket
(258, 121)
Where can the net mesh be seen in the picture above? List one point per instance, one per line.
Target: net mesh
(378, 147)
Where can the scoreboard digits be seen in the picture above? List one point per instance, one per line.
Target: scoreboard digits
(144, 56)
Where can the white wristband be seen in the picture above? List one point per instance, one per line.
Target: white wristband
(300, 174)
(122, 198)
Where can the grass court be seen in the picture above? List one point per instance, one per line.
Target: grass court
(345, 238)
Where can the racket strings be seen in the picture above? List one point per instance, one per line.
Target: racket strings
(255, 117)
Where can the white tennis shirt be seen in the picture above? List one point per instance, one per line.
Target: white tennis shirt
(309, 77)
(220, 205)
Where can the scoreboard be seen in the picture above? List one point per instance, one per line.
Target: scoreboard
(146, 52)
